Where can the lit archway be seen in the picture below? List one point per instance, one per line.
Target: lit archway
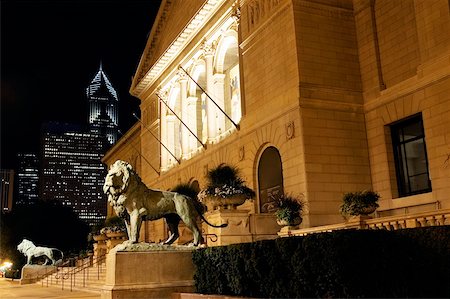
(270, 179)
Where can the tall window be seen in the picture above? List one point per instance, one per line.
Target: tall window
(411, 163)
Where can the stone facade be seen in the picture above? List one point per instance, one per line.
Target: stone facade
(322, 81)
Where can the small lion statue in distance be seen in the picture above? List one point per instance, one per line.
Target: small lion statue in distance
(134, 202)
(30, 250)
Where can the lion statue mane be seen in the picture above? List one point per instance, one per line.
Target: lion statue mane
(30, 250)
(133, 201)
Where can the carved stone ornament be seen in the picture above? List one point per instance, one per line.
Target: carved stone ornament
(208, 48)
(241, 153)
(290, 130)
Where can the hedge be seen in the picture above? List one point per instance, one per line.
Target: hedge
(343, 264)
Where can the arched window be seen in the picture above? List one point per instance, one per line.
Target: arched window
(270, 179)
(227, 79)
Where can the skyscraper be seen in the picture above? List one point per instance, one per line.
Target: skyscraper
(6, 189)
(72, 172)
(71, 169)
(103, 110)
(27, 179)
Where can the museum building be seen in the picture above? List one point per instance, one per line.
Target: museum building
(307, 97)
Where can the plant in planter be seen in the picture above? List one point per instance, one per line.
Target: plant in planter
(114, 227)
(225, 188)
(359, 203)
(96, 234)
(289, 209)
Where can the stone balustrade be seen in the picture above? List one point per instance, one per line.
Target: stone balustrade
(432, 218)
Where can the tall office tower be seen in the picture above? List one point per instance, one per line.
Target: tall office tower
(103, 107)
(72, 172)
(27, 179)
(6, 189)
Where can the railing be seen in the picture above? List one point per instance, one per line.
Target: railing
(432, 218)
(66, 272)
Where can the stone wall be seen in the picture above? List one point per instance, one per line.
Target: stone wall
(409, 75)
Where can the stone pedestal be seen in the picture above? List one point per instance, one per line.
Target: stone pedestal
(237, 231)
(32, 273)
(148, 274)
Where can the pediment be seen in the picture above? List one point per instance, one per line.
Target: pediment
(176, 23)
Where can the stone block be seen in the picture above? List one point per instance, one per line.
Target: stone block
(32, 273)
(148, 274)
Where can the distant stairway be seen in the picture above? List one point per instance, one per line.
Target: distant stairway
(89, 275)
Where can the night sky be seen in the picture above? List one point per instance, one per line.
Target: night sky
(51, 50)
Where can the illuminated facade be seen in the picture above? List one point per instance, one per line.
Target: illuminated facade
(27, 179)
(71, 170)
(327, 96)
(103, 107)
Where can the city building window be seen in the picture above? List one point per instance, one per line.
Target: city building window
(410, 155)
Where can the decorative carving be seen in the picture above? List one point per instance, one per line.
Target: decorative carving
(208, 48)
(290, 130)
(134, 202)
(163, 94)
(181, 76)
(236, 14)
(258, 10)
(241, 153)
(30, 250)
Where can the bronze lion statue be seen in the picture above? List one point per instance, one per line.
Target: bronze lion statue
(134, 202)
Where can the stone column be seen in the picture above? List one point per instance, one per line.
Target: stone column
(219, 97)
(184, 114)
(163, 132)
(210, 107)
(170, 136)
(192, 121)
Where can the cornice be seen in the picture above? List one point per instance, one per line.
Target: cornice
(135, 129)
(147, 74)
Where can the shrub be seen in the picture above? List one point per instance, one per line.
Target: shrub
(350, 263)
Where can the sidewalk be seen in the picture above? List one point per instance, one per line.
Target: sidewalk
(13, 289)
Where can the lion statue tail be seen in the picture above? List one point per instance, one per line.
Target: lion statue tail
(200, 213)
(62, 256)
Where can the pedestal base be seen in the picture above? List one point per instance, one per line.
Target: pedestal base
(148, 274)
(32, 273)
(237, 231)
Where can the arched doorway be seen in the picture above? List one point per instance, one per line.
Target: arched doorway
(270, 179)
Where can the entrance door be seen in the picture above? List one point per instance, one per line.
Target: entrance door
(270, 179)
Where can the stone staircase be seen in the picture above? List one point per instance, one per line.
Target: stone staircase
(87, 277)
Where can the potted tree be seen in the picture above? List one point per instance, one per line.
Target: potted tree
(359, 203)
(225, 189)
(289, 209)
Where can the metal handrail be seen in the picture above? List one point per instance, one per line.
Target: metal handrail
(65, 272)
